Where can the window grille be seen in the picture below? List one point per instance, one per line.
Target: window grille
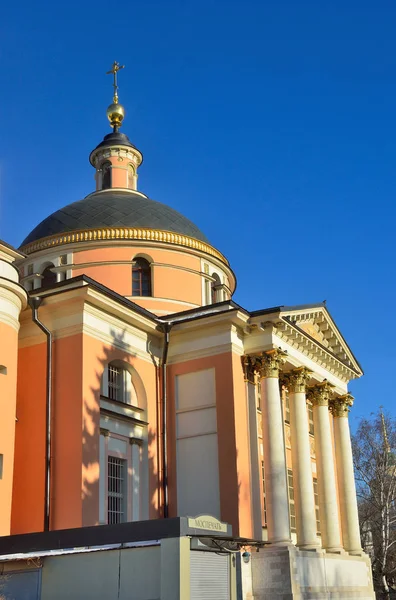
(292, 506)
(264, 496)
(116, 490)
(316, 496)
(141, 278)
(115, 383)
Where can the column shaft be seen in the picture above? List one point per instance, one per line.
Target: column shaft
(302, 471)
(345, 476)
(275, 463)
(327, 491)
(255, 469)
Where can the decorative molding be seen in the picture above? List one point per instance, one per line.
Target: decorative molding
(340, 406)
(268, 363)
(320, 394)
(136, 441)
(249, 370)
(325, 357)
(297, 379)
(120, 234)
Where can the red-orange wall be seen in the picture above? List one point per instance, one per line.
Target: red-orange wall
(29, 466)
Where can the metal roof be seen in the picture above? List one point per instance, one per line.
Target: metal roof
(115, 208)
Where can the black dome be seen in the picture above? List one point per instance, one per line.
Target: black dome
(114, 208)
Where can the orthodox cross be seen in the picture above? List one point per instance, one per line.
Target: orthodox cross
(114, 70)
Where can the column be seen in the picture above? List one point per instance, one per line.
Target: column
(304, 498)
(327, 491)
(345, 475)
(274, 448)
(255, 467)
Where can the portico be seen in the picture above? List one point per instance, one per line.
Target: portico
(305, 355)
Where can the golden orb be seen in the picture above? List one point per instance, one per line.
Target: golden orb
(115, 113)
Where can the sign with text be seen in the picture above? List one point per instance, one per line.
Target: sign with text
(208, 523)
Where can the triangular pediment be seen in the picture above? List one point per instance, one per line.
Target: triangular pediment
(316, 324)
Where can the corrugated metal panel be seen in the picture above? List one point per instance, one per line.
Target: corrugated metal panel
(209, 576)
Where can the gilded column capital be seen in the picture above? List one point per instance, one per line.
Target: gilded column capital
(340, 406)
(297, 379)
(269, 363)
(320, 394)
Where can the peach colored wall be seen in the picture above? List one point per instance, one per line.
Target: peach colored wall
(29, 468)
(96, 356)
(79, 361)
(108, 253)
(167, 282)
(8, 383)
(161, 307)
(115, 277)
(234, 467)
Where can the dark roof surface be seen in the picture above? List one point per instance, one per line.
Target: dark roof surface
(114, 208)
(115, 138)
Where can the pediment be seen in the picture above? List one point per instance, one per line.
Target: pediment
(316, 325)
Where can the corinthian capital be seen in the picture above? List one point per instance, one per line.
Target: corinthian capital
(340, 405)
(297, 379)
(270, 362)
(320, 394)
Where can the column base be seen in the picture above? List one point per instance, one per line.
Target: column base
(335, 550)
(357, 552)
(278, 543)
(288, 572)
(313, 546)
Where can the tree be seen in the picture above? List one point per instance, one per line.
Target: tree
(374, 449)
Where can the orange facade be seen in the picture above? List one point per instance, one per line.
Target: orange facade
(8, 383)
(78, 365)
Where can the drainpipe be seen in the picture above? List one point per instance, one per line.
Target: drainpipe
(34, 303)
(167, 328)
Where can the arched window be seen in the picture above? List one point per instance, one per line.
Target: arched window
(106, 175)
(216, 283)
(48, 276)
(119, 384)
(141, 277)
(131, 177)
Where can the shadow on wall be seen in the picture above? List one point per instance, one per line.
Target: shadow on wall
(91, 437)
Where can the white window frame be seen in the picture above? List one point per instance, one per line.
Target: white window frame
(133, 461)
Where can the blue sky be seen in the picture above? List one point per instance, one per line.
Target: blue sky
(270, 124)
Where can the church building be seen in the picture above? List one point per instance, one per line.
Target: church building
(134, 388)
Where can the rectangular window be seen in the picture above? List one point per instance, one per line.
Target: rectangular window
(1, 466)
(287, 406)
(292, 506)
(310, 419)
(264, 498)
(115, 383)
(116, 490)
(316, 496)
